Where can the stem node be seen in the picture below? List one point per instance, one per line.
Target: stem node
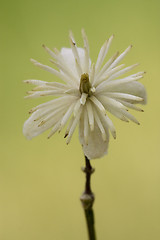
(87, 200)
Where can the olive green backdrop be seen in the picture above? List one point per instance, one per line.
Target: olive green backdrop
(41, 180)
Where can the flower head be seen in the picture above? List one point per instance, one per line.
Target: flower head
(85, 96)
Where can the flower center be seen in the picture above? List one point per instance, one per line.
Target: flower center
(85, 85)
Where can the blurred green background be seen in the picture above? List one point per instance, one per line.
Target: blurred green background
(41, 180)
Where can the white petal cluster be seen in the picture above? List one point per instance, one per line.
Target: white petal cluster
(85, 96)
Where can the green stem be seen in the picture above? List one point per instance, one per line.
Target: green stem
(87, 200)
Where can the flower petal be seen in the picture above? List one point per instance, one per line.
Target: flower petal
(96, 146)
(69, 57)
(43, 119)
(134, 88)
(31, 128)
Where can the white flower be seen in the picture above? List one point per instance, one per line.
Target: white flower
(88, 92)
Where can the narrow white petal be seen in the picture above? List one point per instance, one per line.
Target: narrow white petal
(69, 126)
(117, 113)
(105, 67)
(69, 59)
(109, 73)
(35, 82)
(65, 70)
(58, 111)
(86, 126)
(75, 52)
(86, 49)
(43, 90)
(92, 74)
(83, 98)
(66, 58)
(55, 103)
(124, 96)
(79, 70)
(107, 85)
(48, 87)
(47, 68)
(60, 63)
(107, 123)
(117, 61)
(76, 107)
(37, 94)
(115, 110)
(56, 51)
(41, 113)
(54, 129)
(134, 88)
(97, 119)
(112, 103)
(51, 53)
(31, 129)
(130, 116)
(130, 105)
(74, 124)
(123, 71)
(58, 85)
(98, 103)
(90, 115)
(66, 116)
(73, 91)
(110, 125)
(102, 54)
(107, 76)
(96, 147)
(53, 71)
